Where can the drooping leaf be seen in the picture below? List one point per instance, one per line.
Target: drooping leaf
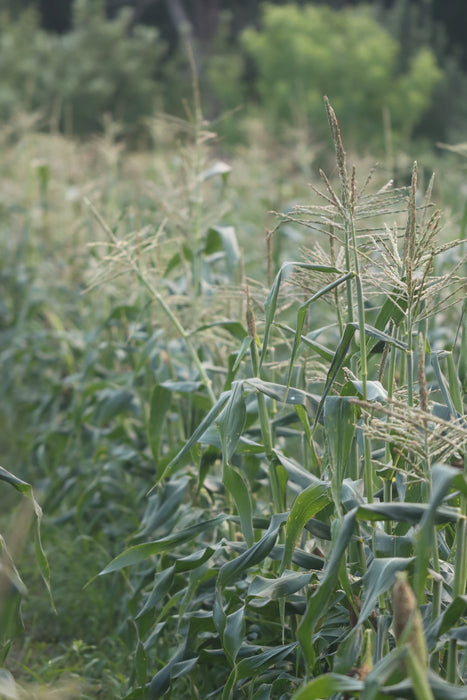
(297, 474)
(375, 391)
(140, 552)
(274, 588)
(252, 665)
(232, 569)
(279, 392)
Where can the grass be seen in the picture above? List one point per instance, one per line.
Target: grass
(261, 448)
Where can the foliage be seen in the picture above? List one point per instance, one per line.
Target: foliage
(280, 536)
(75, 79)
(414, 28)
(302, 53)
(291, 464)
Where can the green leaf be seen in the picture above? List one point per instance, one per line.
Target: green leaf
(162, 583)
(264, 660)
(441, 689)
(26, 490)
(405, 512)
(231, 421)
(336, 364)
(297, 474)
(301, 316)
(339, 418)
(162, 505)
(393, 309)
(379, 578)
(254, 555)
(393, 546)
(160, 403)
(322, 598)
(21, 486)
(305, 506)
(279, 392)
(454, 384)
(442, 478)
(233, 634)
(349, 651)
(177, 667)
(443, 387)
(274, 588)
(446, 621)
(185, 387)
(112, 402)
(202, 427)
(140, 664)
(327, 685)
(325, 353)
(271, 301)
(235, 328)
(238, 488)
(379, 336)
(140, 552)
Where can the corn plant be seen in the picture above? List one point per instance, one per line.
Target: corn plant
(12, 588)
(308, 538)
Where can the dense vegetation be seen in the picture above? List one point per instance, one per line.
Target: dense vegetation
(239, 400)
(390, 71)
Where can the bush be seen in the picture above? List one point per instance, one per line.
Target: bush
(413, 25)
(74, 80)
(302, 53)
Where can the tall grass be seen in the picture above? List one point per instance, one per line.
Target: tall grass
(305, 536)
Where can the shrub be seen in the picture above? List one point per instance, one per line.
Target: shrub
(75, 79)
(301, 54)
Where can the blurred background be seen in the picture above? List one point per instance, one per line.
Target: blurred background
(393, 69)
